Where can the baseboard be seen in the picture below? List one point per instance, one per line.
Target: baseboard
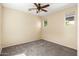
(20, 43)
(59, 44)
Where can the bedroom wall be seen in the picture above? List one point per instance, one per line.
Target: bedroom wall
(56, 32)
(19, 27)
(78, 31)
(0, 26)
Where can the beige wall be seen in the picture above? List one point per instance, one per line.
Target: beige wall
(78, 30)
(56, 31)
(19, 27)
(0, 26)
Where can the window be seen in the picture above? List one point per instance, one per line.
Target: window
(45, 23)
(69, 20)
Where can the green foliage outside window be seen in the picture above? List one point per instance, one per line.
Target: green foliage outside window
(45, 23)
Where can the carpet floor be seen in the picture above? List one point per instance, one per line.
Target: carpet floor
(38, 48)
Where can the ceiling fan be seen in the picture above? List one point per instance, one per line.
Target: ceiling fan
(39, 7)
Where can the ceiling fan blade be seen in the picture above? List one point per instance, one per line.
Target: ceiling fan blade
(44, 10)
(36, 4)
(32, 9)
(45, 6)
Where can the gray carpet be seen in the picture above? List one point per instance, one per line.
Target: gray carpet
(39, 48)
